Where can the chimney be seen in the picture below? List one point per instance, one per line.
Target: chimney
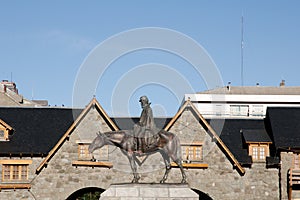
(9, 86)
(282, 83)
(228, 86)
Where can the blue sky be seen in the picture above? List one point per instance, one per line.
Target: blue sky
(43, 45)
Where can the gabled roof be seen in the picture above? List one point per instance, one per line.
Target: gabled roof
(256, 136)
(36, 130)
(211, 131)
(4, 124)
(66, 135)
(285, 126)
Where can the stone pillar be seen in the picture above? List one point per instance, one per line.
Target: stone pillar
(149, 192)
(286, 163)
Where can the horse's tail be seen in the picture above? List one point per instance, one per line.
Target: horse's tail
(178, 147)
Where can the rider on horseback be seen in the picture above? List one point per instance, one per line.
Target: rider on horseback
(145, 130)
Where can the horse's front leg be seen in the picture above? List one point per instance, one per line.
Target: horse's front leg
(136, 176)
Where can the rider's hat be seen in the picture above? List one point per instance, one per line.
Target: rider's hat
(144, 98)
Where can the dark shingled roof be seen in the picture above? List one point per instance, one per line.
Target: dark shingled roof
(284, 123)
(232, 137)
(36, 130)
(258, 135)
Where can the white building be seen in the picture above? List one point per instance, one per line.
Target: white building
(244, 102)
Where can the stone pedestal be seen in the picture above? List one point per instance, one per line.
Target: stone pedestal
(149, 192)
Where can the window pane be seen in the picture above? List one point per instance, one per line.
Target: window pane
(234, 110)
(82, 150)
(15, 173)
(198, 153)
(255, 153)
(244, 110)
(1, 134)
(191, 153)
(6, 172)
(262, 153)
(24, 169)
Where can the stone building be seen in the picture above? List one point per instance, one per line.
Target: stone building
(9, 96)
(44, 153)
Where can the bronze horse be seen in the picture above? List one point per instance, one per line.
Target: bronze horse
(167, 144)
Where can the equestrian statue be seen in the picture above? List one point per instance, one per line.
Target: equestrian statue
(144, 139)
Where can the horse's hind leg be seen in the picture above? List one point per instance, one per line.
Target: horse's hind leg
(178, 162)
(168, 166)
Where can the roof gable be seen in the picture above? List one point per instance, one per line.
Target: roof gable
(5, 131)
(93, 104)
(211, 132)
(5, 125)
(256, 136)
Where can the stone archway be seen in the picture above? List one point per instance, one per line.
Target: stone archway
(88, 193)
(202, 195)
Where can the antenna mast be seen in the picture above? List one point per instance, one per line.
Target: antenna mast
(242, 50)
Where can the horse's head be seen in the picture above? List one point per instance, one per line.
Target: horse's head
(97, 143)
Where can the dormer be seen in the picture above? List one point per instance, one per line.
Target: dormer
(5, 131)
(258, 142)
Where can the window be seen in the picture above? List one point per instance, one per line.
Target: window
(191, 153)
(14, 172)
(5, 130)
(83, 152)
(257, 110)
(100, 154)
(219, 109)
(239, 110)
(259, 152)
(3, 134)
